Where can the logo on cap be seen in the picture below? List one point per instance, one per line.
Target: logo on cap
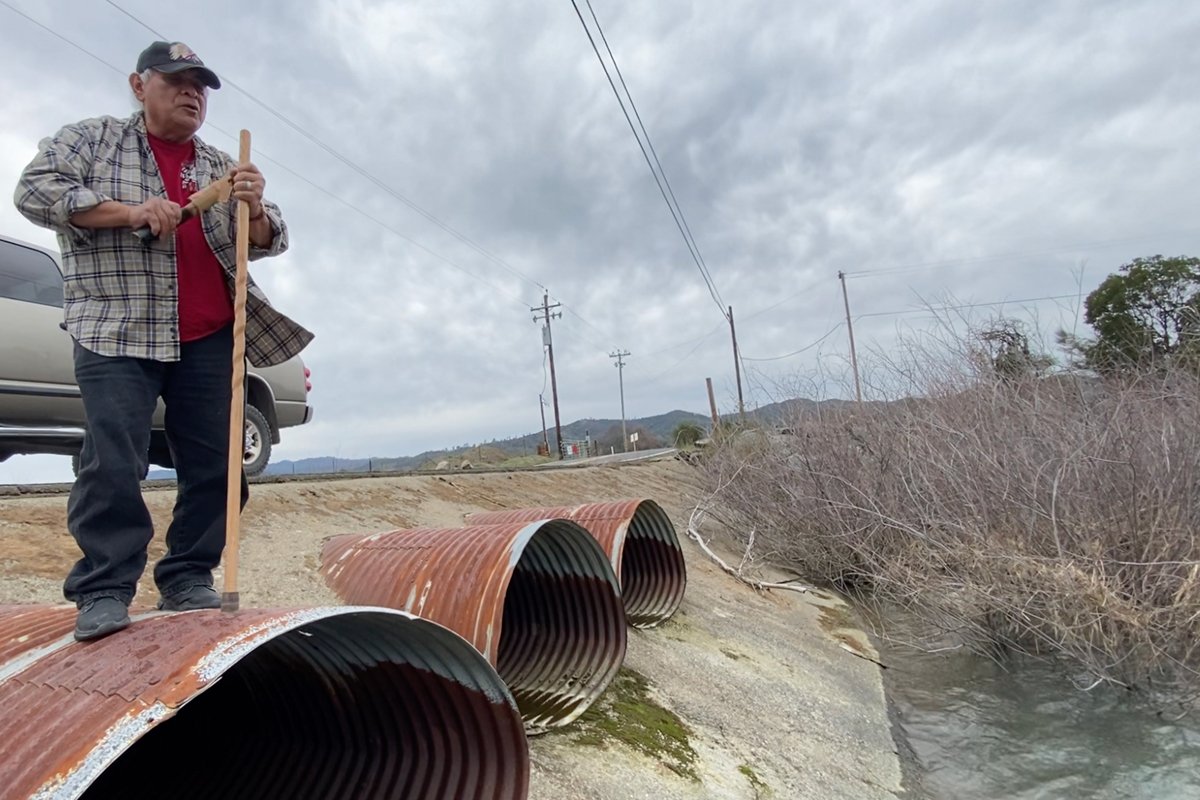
(181, 52)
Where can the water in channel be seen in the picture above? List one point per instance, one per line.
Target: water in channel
(1022, 732)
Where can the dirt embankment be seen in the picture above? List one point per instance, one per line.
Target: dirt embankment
(740, 695)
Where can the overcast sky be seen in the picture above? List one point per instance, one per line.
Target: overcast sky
(1005, 150)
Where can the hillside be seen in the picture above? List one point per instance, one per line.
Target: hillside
(661, 425)
(497, 451)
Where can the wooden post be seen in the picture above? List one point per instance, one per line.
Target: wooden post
(712, 405)
(237, 400)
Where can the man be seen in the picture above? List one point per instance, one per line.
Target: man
(151, 321)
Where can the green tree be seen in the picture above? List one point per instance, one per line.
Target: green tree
(686, 434)
(1146, 312)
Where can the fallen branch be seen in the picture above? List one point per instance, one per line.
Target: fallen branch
(863, 656)
(693, 532)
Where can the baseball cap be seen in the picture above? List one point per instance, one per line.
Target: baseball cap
(176, 57)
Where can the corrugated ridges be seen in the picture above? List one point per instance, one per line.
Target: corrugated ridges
(318, 703)
(537, 598)
(641, 544)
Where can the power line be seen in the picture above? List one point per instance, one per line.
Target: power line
(579, 317)
(898, 312)
(804, 349)
(58, 35)
(703, 264)
(686, 342)
(676, 212)
(752, 315)
(689, 354)
(303, 178)
(836, 327)
(379, 222)
(761, 311)
(371, 177)
(354, 166)
(672, 202)
(284, 167)
(135, 19)
(792, 296)
(1012, 256)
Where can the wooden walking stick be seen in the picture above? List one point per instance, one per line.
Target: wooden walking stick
(237, 402)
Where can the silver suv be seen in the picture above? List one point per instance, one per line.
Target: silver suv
(40, 407)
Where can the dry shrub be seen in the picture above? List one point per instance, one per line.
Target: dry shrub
(1053, 514)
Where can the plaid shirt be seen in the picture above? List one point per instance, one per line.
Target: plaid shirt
(120, 297)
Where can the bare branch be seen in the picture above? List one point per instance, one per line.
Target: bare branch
(1058, 514)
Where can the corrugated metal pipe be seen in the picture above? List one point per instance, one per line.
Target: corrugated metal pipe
(640, 542)
(538, 599)
(315, 704)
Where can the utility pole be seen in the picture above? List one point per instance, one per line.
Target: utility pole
(619, 356)
(850, 328)
(737, 367)
(548, 341)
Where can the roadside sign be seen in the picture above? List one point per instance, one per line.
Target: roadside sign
(633, 437)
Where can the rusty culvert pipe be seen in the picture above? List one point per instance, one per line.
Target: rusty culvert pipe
(640, 542)
(538, 599)
(314, 704)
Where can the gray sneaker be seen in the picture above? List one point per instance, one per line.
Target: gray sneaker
(100, 617)
(191, 599)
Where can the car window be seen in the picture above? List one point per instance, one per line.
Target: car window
(30, 275)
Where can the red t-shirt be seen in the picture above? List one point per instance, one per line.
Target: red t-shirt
(204, 303)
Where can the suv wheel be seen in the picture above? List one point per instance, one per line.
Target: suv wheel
(257, 450)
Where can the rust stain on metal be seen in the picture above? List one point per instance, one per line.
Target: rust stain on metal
(537, 598)
(641, 544)
(311, 703)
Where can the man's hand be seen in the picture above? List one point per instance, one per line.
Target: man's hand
(156, 213)
(248, 185)
(162, 216)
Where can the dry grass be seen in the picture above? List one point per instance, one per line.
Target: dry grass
(1057, 515)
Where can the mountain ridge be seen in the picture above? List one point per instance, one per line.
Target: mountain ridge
(661, 426)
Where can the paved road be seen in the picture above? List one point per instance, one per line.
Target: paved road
(615, 458)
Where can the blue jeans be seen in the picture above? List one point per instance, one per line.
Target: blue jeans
(106, 513)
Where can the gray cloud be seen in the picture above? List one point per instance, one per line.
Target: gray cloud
(800, 138)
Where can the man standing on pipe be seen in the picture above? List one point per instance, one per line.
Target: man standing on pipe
(152, 317)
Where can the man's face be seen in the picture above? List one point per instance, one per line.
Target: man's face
(175, 103)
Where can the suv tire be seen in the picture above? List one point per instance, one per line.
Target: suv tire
(258, 442)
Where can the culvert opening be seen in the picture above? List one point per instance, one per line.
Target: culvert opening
(639, 538)
(563, 631)
(350, 706)
(653, 573)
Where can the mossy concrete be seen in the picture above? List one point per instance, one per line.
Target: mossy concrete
(761, 790)
(628, 714)
(742, 695)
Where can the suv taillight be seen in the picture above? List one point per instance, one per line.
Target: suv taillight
(307, 382)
